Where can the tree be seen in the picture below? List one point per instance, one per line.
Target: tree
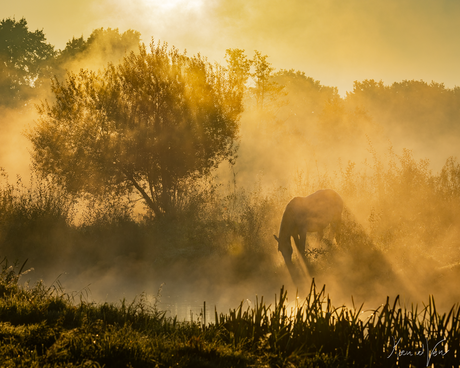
(238, 67)
(409, 107)
(265, 89)
(307, 98)
(24, 60)
(151, 125)
(101, 47)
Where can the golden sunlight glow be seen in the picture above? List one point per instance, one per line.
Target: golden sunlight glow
(169, 5)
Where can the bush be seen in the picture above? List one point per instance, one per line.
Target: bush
(34, 220)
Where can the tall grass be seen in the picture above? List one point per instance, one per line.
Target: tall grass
(44, 326)
(391, 335)
(34, 219)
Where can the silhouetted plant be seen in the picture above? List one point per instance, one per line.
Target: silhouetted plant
(34, 220)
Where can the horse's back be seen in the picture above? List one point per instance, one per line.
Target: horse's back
(318, 209)
(325, 201)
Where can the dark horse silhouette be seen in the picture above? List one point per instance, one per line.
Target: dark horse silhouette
(308, 215)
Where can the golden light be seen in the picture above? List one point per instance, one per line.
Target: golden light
(169, 5)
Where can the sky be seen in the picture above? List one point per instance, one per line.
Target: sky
(334, 41)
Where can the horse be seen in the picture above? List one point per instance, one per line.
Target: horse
(308, 215)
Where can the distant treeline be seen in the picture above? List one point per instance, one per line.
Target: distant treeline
(411, 106)
(29, 62)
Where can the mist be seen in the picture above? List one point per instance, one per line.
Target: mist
(384, 144)
(332, 41)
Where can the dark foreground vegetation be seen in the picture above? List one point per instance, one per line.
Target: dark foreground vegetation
(43, 326)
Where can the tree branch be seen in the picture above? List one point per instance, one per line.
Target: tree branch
(146, 197)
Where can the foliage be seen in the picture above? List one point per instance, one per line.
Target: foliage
(101, 47)
(44, 327)
(266, 91)
(410, 201)
(409, 105)
(343, 336)
(307, 97)
(152, 124)
(25, 213)
(29, 63)
(239, 68)
(24, 59)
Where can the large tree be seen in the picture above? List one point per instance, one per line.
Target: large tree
(24, 60)
(151, 125)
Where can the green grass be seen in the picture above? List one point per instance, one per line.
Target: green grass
(45, 327)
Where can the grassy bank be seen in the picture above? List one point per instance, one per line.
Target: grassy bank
(43, 326)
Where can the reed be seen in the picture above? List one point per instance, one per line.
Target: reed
(391, 335)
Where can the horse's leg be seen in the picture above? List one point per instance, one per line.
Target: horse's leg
(298, 243)
(336, 230)
(303, 245)
(300, 240)
(321, 238)
(320, 235)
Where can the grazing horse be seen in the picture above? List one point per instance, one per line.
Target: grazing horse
(308, 215)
